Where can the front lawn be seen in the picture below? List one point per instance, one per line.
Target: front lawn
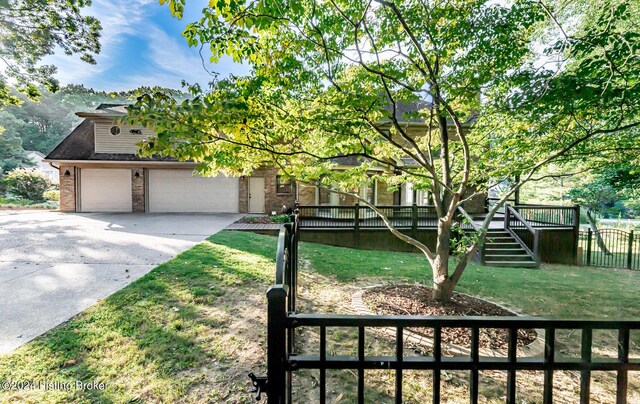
(193, 328)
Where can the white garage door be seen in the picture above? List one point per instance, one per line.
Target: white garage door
(182, 191)
(105, 190)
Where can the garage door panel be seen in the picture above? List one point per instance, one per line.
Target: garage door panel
(181, 191)
(105, 190)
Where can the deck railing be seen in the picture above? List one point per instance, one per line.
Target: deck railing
(357, 216)
(523, 232)
(549, 216)
(284, 357)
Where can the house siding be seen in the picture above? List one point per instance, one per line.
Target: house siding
(125, 142)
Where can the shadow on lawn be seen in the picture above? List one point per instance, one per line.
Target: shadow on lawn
(150, 340)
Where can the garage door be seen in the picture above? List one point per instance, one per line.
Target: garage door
(182, 191)
(105, 190)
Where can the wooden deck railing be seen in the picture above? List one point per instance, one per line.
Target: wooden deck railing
(362, 217)
(523, 232)
(549, 216)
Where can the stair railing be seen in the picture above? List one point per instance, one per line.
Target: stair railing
(467, 224)
(522, 232)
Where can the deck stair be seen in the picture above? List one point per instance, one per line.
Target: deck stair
(502, 249)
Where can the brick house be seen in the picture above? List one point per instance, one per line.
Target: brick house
(100, 172)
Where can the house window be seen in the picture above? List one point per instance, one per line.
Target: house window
(115, 130)
(283, 185)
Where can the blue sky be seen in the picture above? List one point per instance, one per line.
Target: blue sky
(141, 45)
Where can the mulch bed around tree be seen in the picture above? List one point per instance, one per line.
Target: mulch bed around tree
(417, 300)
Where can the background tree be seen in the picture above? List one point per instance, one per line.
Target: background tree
(33, 29)
(41, 124)
(502, 89)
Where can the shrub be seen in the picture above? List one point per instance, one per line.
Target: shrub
(27, 183)
(280, 218)
(52, 195)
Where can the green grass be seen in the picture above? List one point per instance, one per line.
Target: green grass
(146, 341)
(13, 203)
(191, 330)
(553, 290)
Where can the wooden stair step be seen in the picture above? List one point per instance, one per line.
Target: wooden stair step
(512, 264)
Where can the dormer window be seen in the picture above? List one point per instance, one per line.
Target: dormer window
(115, 130)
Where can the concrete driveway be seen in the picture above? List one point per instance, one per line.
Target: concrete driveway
(54, 265)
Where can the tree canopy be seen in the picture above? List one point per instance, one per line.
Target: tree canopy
(449, 96)
(41, 124)
(33, 29)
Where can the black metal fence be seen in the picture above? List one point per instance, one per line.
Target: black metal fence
(615, 249)
(284, 359)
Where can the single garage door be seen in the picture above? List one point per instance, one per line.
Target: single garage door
(103, 190)
(182, 191)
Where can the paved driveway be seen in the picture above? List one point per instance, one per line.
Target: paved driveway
(54, 265)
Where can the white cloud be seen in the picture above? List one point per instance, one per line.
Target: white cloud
(166, 61)
(118, 18)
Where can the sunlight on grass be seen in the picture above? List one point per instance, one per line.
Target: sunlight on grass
(194, 327)
(142, 339)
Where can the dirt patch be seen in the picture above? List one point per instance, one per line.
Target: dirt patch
(417, 300)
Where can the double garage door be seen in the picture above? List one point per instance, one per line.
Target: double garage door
(109, 190)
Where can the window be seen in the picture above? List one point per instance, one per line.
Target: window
(283, 185)
(115, 130)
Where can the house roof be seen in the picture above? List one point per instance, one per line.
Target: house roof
(37, 153)
(80, 145)
(105, 110)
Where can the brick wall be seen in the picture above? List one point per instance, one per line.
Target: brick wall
(244, 195)
(273, 201)
(138, 190)
(306, 194)
(67, 188)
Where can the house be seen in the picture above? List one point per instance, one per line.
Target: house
(47, 169)
(380, 194)
(100, 172)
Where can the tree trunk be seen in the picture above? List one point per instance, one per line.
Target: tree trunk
(596, 233)
(443, 291)
(442, 284)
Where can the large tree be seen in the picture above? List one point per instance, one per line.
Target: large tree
(499, 90)
(33, 29)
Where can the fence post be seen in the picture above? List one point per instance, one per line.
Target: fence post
(576, 231)
(356, 225)
(630, 250)
(414, 219)
(536, 246)
(507, 218)
(276, 343)
(589, 238)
